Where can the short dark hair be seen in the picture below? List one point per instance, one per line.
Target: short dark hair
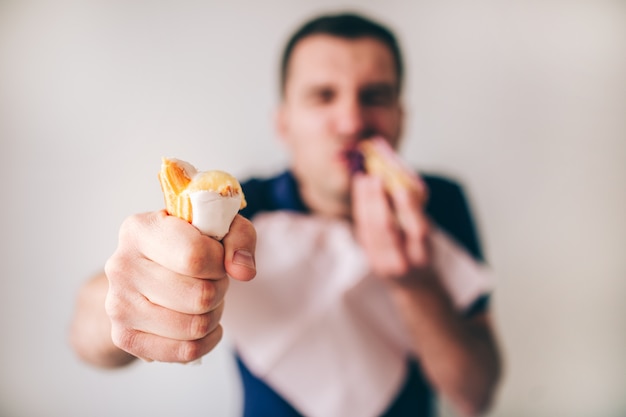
(344, 25)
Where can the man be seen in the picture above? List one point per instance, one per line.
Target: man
(390, 333)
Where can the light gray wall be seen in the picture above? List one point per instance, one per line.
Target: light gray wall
(524, 101)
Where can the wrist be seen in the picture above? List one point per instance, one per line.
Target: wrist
(423, 287)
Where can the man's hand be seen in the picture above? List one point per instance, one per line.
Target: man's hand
(167, 283)
(392, 229)
(458, 354)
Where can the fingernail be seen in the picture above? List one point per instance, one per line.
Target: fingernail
(243, 257)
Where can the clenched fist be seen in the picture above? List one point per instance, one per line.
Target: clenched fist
(167, 283)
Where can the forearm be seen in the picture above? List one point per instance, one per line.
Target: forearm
(90, 333)
(459, 355)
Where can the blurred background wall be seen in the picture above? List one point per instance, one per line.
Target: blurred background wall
(525, 102)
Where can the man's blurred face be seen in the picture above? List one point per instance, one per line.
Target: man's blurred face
(337, 92)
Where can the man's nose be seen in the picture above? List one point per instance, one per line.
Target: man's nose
(351, 119)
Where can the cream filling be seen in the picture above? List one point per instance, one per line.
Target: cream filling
(213, 213)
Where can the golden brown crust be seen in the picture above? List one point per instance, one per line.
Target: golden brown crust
(174, 180)
(176, 184)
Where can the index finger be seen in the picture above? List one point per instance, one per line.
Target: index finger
(409, 211)
(174, 244)
(376, 226)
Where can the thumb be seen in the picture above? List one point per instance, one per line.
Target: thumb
(239, 249)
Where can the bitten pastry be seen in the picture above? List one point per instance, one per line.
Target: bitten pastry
(208, 200)
(376, 157)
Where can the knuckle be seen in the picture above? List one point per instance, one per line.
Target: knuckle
(111, 267)
(116, 302)
(129, 227)
(205, 298)
(120, 266)
(124, 339)
(193, 349)
(134, 227)
(115, 307)
(189, 350)
(114, 267)
(112, 304)
(195, 258)
(199, 326)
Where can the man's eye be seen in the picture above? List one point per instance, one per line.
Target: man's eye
(377, 97)
(323, 96)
